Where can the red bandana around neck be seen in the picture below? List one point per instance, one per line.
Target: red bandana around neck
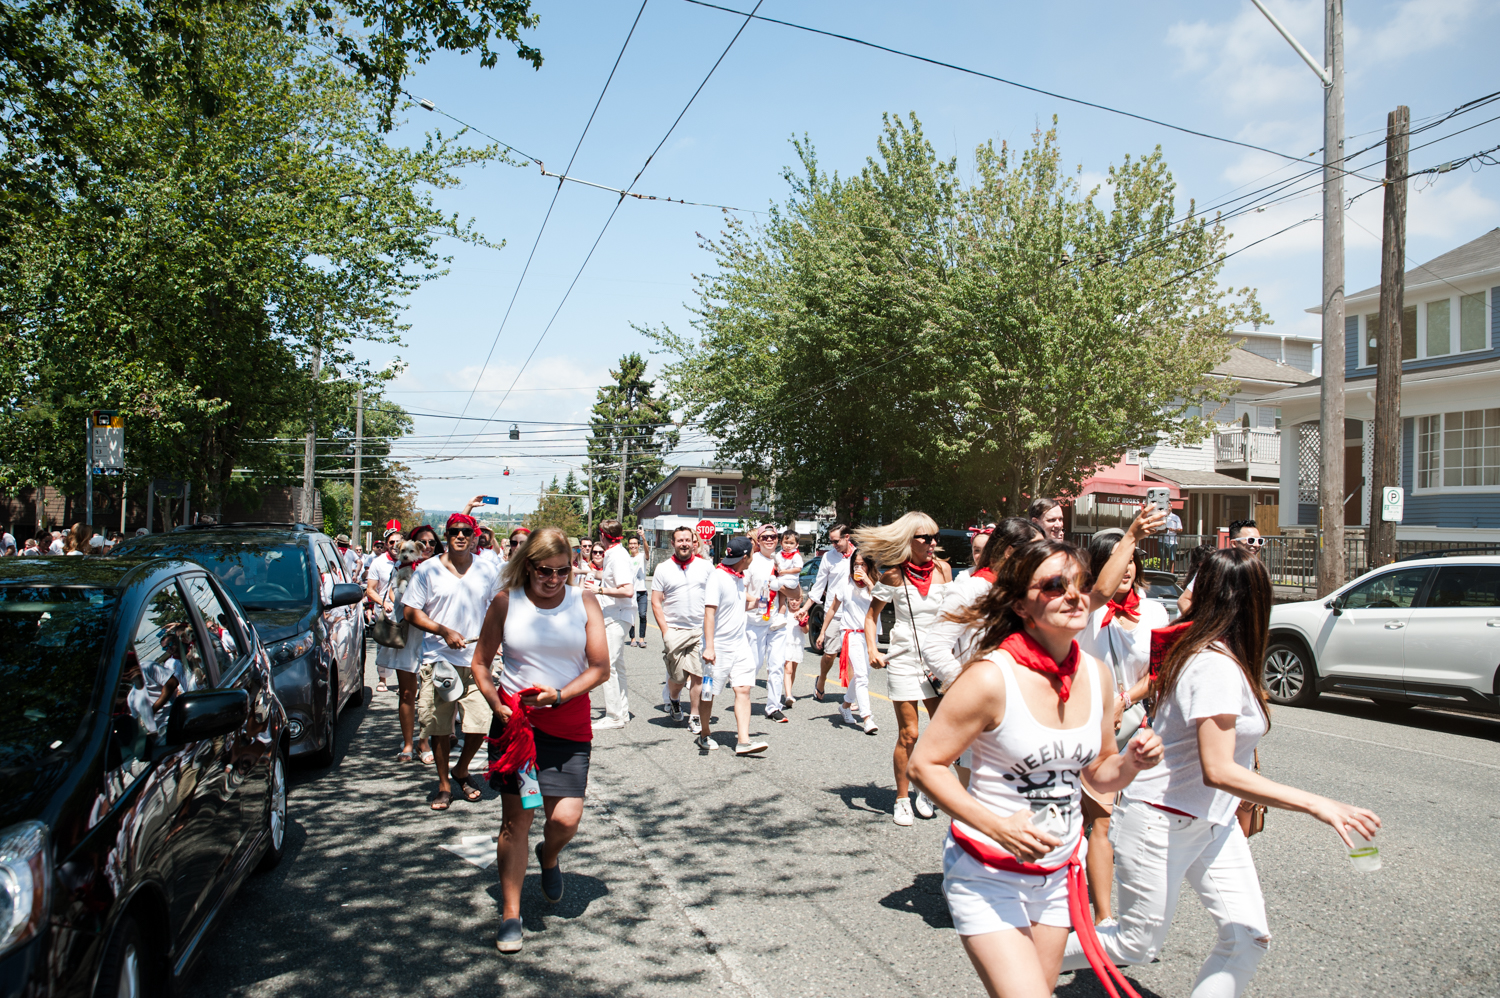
(919, 575)
(987, 574)
(1130, 608)
(680, 563)
(737, 575)
(784, 555)
(1024, 649)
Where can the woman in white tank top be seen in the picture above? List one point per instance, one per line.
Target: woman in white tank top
(1039, 717)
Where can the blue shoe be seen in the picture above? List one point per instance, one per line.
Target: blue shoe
(552, 881)
(509, 938)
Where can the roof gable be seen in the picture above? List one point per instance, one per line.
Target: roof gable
(1475, 257)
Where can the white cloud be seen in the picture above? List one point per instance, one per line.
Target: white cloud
(1418, 26)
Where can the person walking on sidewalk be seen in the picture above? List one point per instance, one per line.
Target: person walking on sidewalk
(448, 597)
(677, 591)
(727, 662)
(833, 569)
(552, 635)
(616, 592)
(762, 587)
(642, 590)
(850, 604)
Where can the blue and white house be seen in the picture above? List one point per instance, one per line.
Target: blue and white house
(1450, 404)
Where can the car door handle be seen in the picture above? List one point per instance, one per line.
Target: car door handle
(1394, 625)
(1492, 623)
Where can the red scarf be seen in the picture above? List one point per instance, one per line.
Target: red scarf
(516, 746)
(737, 575)
(1162, 640)
(682, 564)
(919, 575)
(1023, 648)
(1130, 608)
(987, 574)
(785, 556)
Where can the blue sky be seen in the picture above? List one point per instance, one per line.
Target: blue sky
(1219, 68)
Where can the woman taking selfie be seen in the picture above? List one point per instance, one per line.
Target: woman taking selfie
(914, 582)
(1037, 714)
(1177, 820)
(552, 636)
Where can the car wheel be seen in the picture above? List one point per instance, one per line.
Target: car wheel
(324, 756)
(275, 814)
(131, 967)
(1288, 674)
(359, 697)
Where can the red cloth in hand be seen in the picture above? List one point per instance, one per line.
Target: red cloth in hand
(516, 744)
(1023, 648)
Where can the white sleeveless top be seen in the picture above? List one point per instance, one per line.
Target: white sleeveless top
(543, 647)
(910, 606)
(1024, 764)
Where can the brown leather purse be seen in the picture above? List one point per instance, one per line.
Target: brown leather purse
(1252, 816)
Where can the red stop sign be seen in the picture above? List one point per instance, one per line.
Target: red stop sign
(706, 530)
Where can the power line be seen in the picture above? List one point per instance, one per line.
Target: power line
(676, 121)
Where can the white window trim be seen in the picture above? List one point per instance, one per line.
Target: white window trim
(1455, 320)
(1416, 458)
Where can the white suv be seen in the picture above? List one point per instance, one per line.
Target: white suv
(1421, 631)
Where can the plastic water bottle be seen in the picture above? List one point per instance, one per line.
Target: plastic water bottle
(706, 691)
(531, 791)
(1366, 858)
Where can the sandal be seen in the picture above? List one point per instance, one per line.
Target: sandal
(469, 787)
(381, 687)
(818, 690)
(427, 757)
(442, 800)
(404, 755)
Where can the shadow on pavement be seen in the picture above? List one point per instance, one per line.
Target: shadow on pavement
(877, 799)
(924, 897)
(1421, 718)
(1083, 984)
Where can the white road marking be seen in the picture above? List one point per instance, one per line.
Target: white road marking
(1398, 748)
(476, 849)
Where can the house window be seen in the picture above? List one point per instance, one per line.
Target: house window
(1439, 328)
(1471, 322)
(1408, 336)
(665, 502)
(1469, 456)
(723, 497)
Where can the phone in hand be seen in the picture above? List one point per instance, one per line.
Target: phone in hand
(1160, 498)
(1051, 821)
(490, 500)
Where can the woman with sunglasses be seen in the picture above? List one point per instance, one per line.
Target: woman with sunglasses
(914, 583)
(1036, 712)
(555, 652)
(427, 539)
(1177, 820)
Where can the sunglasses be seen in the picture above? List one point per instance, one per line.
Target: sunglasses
(1253, 542)
(929, 538)
(550, 573)
(1055, 587)
(460, 532)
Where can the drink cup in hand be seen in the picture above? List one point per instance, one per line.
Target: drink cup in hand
(1365, 857)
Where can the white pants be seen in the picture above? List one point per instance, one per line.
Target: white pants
(763, 652)
(1154, 851)
(616, 701)
(859, 669)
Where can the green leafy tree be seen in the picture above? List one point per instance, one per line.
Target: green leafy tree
(900, 339)
(554, 510)
(629, 423)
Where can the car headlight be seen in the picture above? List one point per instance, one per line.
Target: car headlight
(25, 882)
(283, 652)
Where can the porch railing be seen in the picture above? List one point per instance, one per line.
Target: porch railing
(1247, 446)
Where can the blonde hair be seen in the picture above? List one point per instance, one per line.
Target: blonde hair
(891, 544)
(544, 543)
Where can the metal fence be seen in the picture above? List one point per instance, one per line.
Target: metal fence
(1292, 560)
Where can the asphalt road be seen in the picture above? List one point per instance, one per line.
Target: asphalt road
(783, 875)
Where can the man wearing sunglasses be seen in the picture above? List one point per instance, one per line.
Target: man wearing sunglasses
(1242, 533)
(448, 597)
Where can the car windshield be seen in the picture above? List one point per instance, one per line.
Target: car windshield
(51, 645)
(263, 575)
(1162, 590)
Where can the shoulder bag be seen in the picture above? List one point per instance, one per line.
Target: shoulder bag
(933, 679)
(1252, 816)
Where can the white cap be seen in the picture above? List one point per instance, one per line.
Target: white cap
(97, 541)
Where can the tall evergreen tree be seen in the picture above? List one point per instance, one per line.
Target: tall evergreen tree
(630, 424)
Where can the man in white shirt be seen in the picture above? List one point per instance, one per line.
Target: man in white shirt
(1168, 540)
(616, 591)
(448, 597)
(833, 571)
(7, 543)
(677, 588)
(727, 658)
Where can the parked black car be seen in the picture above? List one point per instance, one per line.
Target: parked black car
(142, 770)
(291, 581)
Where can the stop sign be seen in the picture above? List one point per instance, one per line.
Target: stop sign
(706, 530)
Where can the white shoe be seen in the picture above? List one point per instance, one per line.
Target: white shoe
(924, 806)
(750, 748)
(605, 724)
(847, 715)
(870, 726)
(903, 811)
(706, 744)
(695, 723)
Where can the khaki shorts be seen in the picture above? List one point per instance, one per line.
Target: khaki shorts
(436, 717)
(680, 653)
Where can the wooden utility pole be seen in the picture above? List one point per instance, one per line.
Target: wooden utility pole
(1331, 568)
(309, 452)
(589, 530)
(1384, 470)
(359, 452)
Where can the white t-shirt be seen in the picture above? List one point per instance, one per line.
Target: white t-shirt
(351, 563)
(1129, 652)
(380, 573)
(618, 571)
(788, 570)
(639, 561)
(1211, 684)
(825, 585)
(758, 579)
(453, 601)
(56, 547)
(682, 591)
(726, 592)
(8, 543)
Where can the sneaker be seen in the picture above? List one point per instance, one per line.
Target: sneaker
(788, 703)
(924, 806)
(508, 939)
(552, 880)
(676, 711)
(706, 744)
(870, 726)
(750, 748)
(903, 811)
(777, 716)
(605, 724)
(695, 723)
(847, 714)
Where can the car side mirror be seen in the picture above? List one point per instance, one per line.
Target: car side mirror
(1336, 606)
(346, 594)
(206, 714)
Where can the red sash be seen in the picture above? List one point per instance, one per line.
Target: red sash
(846, 671)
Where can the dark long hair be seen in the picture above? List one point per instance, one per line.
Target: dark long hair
(995, 614)
(1231, 608)
(1102, 548)
(1010, 533)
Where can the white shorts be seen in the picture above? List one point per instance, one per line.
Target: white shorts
(983, 900)
(732, 667)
